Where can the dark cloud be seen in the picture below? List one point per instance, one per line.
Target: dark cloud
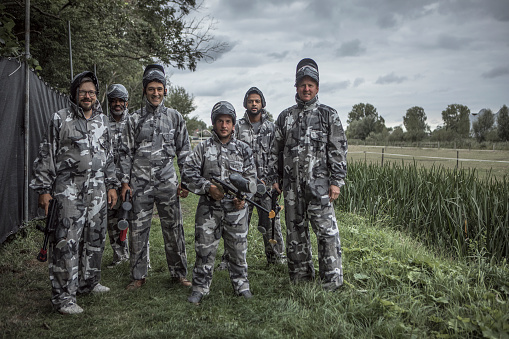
(496, 72)
(278, 56)
(358, 81)
(387, 21)
(390, 79)
(446, 41)
(351, 48)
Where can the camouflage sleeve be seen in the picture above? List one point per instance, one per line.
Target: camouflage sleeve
(110, 169)
(191, 174)
(337, 148)
(44, 169)
(275, 173)
(249, 168)
(126, 150)
(182, 143)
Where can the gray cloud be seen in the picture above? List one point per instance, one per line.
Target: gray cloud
(390, 79)
(358, 81)
(446, 41)
(496, 72)
(351, 48)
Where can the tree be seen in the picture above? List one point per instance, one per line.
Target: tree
(363, 120)
(456, 120)
(415, 124)
(503, 123)
(397, 134)
(483, 125)
(117, 37)
(179, 99)
(195, 125)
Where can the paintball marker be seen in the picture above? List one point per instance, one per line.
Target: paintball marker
(237, 189)
(51, 227)
(276, 208)
(123, 223)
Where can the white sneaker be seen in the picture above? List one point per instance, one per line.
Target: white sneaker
(70, 308)
(100, 289)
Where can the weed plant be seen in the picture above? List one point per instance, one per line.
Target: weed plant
(453, 211)
(395, 287)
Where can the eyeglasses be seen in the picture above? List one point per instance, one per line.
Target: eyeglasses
(90, 93)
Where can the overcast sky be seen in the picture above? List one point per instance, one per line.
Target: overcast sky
(393, 54)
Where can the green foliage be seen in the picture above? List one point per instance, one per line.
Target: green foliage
(116, 37)
(415, 124)
(503, 123)
(483, 125)
(179, 99)
(446, 209)
(196, 125)
(363, 120)
(397, 134)
(457, 120)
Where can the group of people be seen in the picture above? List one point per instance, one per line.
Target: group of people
(89, 161)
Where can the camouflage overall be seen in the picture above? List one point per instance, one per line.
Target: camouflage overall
(75, 165)
(261, 145)
(153, 137)
(216, 219)
(311, 148)
(120, 248)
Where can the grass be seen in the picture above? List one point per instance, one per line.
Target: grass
(394, 288)
(495, 164)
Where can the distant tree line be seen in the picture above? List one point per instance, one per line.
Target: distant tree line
(364, 123)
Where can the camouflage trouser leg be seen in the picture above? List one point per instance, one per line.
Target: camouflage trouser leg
(120, 248)
(172, 227)
(139, 233)
(273, 252)
(76, 266)
(320, 213)
(209, 227)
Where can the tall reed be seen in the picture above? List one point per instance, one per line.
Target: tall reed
(453, 210)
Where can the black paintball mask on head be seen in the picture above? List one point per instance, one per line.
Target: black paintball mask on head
(78, 80)
(152, 73)
(307, 67)
(117, 91)
(223, 107)
(254, 90)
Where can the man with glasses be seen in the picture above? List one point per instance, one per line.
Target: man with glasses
(153, 137)
(75, 167)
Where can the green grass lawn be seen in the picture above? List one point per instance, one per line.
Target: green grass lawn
(483, 161)
(394, 288)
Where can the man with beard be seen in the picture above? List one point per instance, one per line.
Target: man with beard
(75, 167)
(256, 130)
(309, 159)
(218, 216)
(118, 99)
(153, 137)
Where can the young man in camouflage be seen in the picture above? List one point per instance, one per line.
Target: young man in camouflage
(256, 130)
(216, 215)
(309, 157)
(75, 167)
(118, 100)
(153, 137)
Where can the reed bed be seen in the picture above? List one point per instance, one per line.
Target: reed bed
(454, 211)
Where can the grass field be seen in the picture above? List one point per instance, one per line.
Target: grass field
(394, 288)
(483, 161)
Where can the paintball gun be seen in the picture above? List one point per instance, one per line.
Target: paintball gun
(123, 223)
(237, 189)
(51, 227)
(276, 208)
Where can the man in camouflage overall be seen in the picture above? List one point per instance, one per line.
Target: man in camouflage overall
(309, 157)
(118, 99)
(153, 137)
(75, 166)
(257, 131)
(218, 215)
